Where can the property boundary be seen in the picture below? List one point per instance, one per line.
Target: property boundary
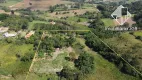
(82, 31)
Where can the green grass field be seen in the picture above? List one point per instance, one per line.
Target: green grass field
(138, 33)
(124, 43)
(107, 71)
(10, 3)
(9, 63)
(35, 76)
(31, 24)
(130, 1)
(108, 22)
(104, 70)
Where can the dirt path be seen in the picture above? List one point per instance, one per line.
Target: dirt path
(34, 59)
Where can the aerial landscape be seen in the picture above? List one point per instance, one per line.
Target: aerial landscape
(70, 40)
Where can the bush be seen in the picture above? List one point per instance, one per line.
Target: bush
(69, 74)
(139, 37)
(85, 63)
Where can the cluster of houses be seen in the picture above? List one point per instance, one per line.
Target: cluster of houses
(6, 34)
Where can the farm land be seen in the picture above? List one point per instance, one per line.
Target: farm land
(52, 35)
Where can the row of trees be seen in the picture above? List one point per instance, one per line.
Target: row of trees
(107, 9)
(60, 25)
(50, 43)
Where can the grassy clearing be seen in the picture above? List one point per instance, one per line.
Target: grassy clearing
(48, 66)
(10, 2)
(9, 63)
(33, 76)
(31, 24)
(130, 1)
(107, 71)
(124, 43)
(108, 22)
(138, 33)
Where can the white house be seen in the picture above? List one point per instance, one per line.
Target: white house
(9, 35)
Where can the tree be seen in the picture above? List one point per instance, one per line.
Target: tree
(85, 63)
(70, 74)
(51, 9)
(16, 22)
(12, 12)
(139, 37)
(97, 23)
(3, 16)
(101, 7)
(27, 57)
(138, 19)
(72, 56)
(79, 20)
(126, 24)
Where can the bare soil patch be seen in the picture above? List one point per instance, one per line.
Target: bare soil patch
(40, 4)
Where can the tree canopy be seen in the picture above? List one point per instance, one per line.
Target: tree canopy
(85, 63)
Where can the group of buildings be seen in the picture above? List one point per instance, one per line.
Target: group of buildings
(6, 34)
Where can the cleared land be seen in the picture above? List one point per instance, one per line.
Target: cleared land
(41, 4)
